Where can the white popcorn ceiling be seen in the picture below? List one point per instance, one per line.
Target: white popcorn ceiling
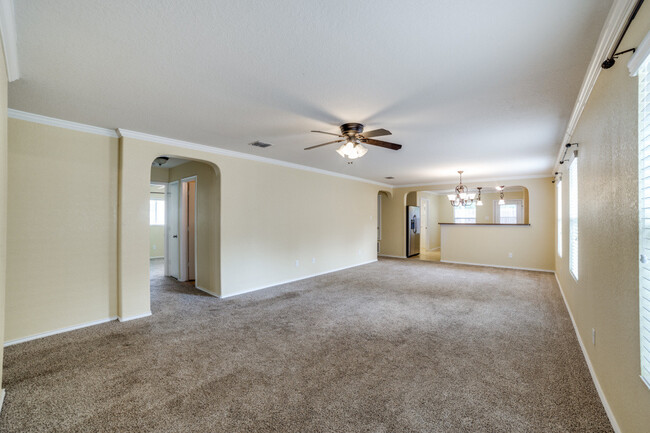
(484, 87)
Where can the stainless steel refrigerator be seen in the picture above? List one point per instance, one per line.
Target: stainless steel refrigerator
(412, 230)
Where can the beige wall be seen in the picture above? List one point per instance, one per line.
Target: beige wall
(531, 246)
(159, 174)
(156, 241)
(208, 221)
(480, 244)
(271, 216)
(61, 246)
(90, 267)
(606, 296)
(485, 213)
(3, 200)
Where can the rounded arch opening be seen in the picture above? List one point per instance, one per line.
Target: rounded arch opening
(185, 243)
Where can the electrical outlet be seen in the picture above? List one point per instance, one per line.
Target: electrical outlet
(359, 252)
(510, 255)
(297, 263)
(593, 336)
(313, 259)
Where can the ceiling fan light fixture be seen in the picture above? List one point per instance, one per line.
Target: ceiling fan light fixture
(352, 150)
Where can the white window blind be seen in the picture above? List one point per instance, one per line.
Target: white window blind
(573, 218)
(465, 214)
(558, 194)
(644, 217)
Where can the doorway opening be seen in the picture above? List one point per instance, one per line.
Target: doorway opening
(383, 197)
(157, 228)
(184, 225)
(423, 234)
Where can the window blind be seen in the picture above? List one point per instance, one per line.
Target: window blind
(644, 217)
(573, 218)
(465, 214)
(558, 194)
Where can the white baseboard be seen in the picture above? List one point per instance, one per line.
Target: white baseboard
(594, 378)
(58, 331)
(392, 257)
(157, 257)
(206, 291)
(497, 266)
(2, 398)
(294, 280)
(139, 316)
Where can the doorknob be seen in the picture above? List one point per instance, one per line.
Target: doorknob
(175, 236)
(642, 258)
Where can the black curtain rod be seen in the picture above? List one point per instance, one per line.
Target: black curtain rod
(609, 62)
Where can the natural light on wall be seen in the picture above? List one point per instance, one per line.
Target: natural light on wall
(640, 64)
(573, 217)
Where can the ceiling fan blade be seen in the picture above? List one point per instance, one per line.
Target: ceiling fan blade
(329, 133)
(324, 144)
(381, 143)
(376, 133)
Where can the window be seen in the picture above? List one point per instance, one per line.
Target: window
(156, 212)
(573, 217)
(644, 212)
(508, 214)
(558, 195)
(511, 212)
(465, 214)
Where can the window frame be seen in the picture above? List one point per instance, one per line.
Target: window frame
(558, 221)
(574, 233)
(456, 208)
(154, 219)
(639, 65)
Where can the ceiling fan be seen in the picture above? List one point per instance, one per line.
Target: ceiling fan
(354, 137)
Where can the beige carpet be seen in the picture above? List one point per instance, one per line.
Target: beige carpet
(394, 346)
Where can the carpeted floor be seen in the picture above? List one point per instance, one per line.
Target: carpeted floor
(394, 346)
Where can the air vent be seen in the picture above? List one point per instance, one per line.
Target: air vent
(389, 177)
(260, 144)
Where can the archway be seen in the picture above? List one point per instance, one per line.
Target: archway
(188, 234)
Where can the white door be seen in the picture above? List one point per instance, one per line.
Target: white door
(187, 232)
(191, 231)
(172, 230)
(424, 223)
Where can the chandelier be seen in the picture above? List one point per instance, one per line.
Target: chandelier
(500, 189)
(463, 197)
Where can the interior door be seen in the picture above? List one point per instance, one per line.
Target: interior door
(424, 209)
(191, 230)
(172, 229)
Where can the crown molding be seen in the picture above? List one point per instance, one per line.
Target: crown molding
(614, 25)
(234, 154)
(641, 54)
(9, 38)
(51, 121)
(492, 179)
